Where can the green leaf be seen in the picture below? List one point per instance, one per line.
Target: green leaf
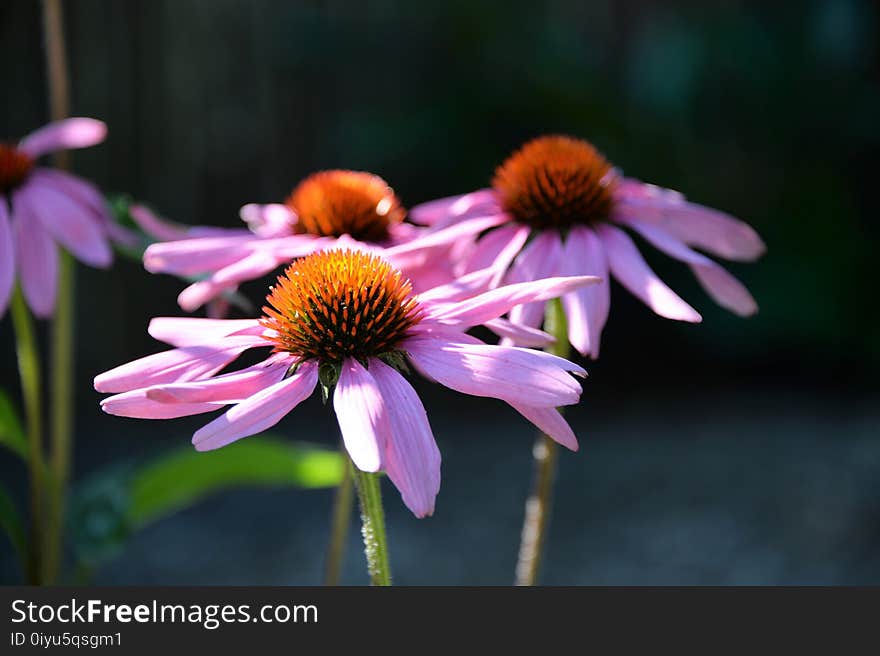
(11, 433)
(10, 522)
(185, 476)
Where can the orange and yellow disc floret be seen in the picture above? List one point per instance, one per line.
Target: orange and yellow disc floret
(336, 203)
(556, 182)
(15, 166)
(339, 304)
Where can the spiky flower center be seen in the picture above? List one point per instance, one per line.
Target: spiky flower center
(556, 182)
(336, 203)
(339, 304)
(15, 166)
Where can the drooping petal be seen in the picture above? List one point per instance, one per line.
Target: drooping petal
(462, 287)
(258, 412)
(187, 331)
(136, 405)
(233, 387)
(631, 270)
(177, 365)
(551, 422)
(444, 237)
(82, 191)
(586, 309)
(519, 335)
(362, 416)
(250, 267)
(706, 228)
(498, 248)
(443, 210)
(540, 259)
(36, 258)
(87, 194)
(63, 135)
(69, 222)
(515, 375)
(7, 257)
(727, 291)
(494, 303)
(411, 457)
(193, 256)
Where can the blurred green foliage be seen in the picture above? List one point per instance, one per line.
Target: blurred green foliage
(110, 505)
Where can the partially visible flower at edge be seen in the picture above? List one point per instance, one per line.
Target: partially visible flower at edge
(326, 209)
(43, 207)
(348, 321)
(561, 194)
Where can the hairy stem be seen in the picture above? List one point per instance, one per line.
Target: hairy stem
(539, 503)
(373, 526)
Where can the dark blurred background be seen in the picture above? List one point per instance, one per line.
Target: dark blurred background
(736, 451)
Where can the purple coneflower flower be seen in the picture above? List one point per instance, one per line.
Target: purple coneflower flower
(326, 209)
(348, 321)
(572, 204)
(42, 207)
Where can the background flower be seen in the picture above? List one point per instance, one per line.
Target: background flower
(327, 208)
(563, 194)
(42, 207)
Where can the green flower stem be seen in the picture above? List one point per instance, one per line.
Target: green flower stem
(61, 415)
(62, 324)
(340, 522)
(539, 503)
(31, 390)
(373, 526)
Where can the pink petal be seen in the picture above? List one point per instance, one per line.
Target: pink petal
(272, 220)
(494, 303)
(76, 188)
(462, 287)
(362, 416)
(633, 272)
(260, 411)
(727, 291)
(704, 227)
(551, 422)
(189, 257)
(411, 457)
(498, 248)
(515, 375)
(155, 226)
(586, 309)
(69, 222)
(197, 294)
(137, 405)
(177, 365)
(62, 135)
(249, 267)
(452, 207)
(540, 259)
(188, 331)
(37, 259)
(7, 257)
(87, 194)
(229, 388)
(462, 230)
(519, 335)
